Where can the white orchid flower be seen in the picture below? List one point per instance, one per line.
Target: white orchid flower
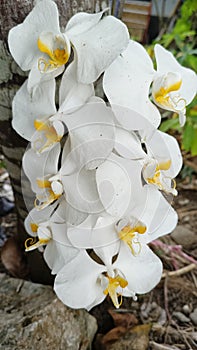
(38, 44)
(174, 86)
(50, 228)
(148, 218)
(156, 153)
(163, 162)
(36, 118)
(83, 283)
(127, 83)
(40, 169)
(58, 250)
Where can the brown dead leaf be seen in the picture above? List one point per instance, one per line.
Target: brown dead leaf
(113, 335)
(120, 338)
(123, 319)
(136, 338)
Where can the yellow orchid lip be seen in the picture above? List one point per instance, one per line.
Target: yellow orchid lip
(49, 133)
(57, 49)
(166, 93)
(113, 284)
(128, 235)
(34, 227)
(157, 180)
(162, 95)
(49, 196)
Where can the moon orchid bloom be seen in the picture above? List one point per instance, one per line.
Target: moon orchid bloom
(38, 45)
(146, 219)
(126, 83)
(83, 283)
(36, 117)
(40, 170)
(174, 86)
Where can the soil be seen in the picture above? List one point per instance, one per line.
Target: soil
(171, 308)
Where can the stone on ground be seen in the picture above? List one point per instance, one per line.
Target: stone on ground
(31, 317)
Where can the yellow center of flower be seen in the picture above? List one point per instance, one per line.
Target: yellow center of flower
(58, 56)
(162, 96)
(31, 243)
(34, 227)
(51, 196)
(113, 284)
(156, 179)
(166, 98)
(50, 134)
(128, 234)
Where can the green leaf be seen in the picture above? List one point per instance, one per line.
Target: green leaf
(172, 123)
(194, 144)
(188, 136)
(191, 62)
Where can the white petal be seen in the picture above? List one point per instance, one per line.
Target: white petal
(128, 145)
(164, 221)
(37, 166)
(101, 234)
(68, 162)
(114, 187)
(76, 284)
(97, 48)
(53, 257)
(36, 217)
(166, 62)
(163, 147)
(156, 214)
(36, 77)
(82, 22)
(27, 108)
(73, 94)
(91, 130)
(81, 191)
(22, 39)
(66, 213)
(127, 82)
(131, 120)
(59, 250)
(142, 272)
(150, 168)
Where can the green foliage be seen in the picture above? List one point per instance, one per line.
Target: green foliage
(172, 123)
(182, 42)
(187, 171)
(2, 164)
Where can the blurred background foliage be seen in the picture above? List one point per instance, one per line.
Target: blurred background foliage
(181, 40)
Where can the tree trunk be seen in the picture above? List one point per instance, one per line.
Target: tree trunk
(11, 78)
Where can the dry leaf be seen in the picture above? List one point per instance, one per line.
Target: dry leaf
(123, 319)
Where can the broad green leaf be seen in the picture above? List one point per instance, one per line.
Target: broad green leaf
(172, 123)
(194, 143)
(188, 135)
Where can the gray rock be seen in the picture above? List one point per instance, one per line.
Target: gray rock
(181, 317)
(184, 236)
(186, 309)
(193, 316)
(31, 317)
(194, 336)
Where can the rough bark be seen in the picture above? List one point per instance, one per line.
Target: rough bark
(11, 78)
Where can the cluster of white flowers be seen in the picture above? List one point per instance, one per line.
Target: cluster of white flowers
(100, 171)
